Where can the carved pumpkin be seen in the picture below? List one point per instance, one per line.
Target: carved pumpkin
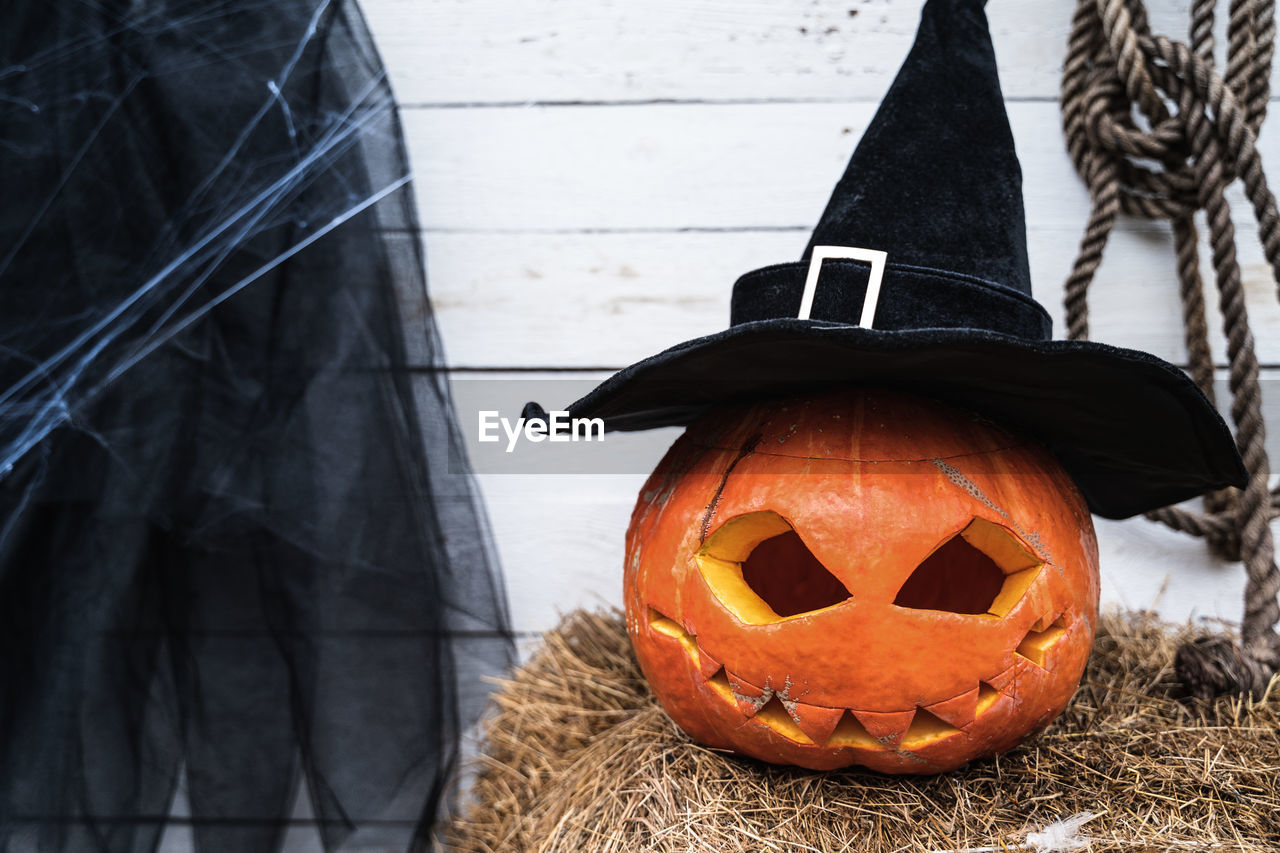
(860, 578)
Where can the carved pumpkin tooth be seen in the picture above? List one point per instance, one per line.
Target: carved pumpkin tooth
(666, 625)
(751, 705)
(817, 721)
(707, 664)
(957, 711)
(927, 728)
(1010, 681)
(850, 732)
(1004, 681)
(777, 716)
(887, 727)
(745, 688)
(1047, 614)
(749, 698)
(987, 696)
(719, 682)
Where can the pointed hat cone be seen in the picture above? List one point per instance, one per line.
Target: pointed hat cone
(935, 180)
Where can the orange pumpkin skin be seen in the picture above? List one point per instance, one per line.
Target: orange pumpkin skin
(920, 514)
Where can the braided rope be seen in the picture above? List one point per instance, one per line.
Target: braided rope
(1199, 137)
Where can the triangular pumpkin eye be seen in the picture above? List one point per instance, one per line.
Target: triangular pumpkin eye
(957, 578)
(982, 569)
(784, 572)
(762, 571)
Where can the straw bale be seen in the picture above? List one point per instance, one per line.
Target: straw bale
(579, 758)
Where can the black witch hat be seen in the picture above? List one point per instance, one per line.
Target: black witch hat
(928, 291)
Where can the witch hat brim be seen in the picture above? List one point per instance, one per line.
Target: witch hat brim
(1132, 430)
(934, 185)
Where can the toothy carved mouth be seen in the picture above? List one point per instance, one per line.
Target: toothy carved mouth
(818, 725)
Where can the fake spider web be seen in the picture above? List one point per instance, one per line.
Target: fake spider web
(231, 546)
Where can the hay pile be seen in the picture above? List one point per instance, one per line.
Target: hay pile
(579, 758)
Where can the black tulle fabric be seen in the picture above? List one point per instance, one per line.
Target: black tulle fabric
(236, 568)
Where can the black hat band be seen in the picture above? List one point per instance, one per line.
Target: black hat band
(910, 297)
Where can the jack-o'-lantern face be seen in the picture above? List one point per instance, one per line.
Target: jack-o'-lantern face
(860, 578)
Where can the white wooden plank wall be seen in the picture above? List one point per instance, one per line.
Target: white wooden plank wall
(593, 174)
